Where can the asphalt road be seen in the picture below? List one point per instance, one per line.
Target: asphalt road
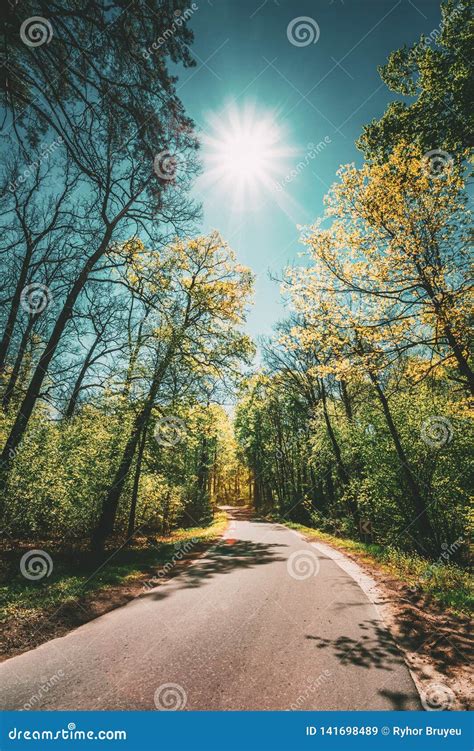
(263, 621)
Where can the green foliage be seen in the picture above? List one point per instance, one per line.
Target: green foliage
(271, 428)
(64, 467)
(61, 471)
(437, 73)
(153, 429)
(303, 483)
(24, 600)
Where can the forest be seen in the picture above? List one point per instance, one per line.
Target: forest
(123, 338)
(361, 416)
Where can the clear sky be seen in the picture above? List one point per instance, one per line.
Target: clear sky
(275, 96)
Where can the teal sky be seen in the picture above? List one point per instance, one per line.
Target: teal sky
(328, 89)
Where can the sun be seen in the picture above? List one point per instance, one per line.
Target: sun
(244, 153)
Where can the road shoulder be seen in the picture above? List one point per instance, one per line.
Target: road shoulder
(435, 643)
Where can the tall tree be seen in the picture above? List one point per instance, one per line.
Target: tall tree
(404, 264)
(202, 305)
(120, 122)
(436, 73)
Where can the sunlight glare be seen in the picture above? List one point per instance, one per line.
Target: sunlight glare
(244, 153)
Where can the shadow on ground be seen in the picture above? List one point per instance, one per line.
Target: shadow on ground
(225, 557)
(376, 648)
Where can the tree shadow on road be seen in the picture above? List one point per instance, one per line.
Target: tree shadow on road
(224, 558)
(400, 701)
(376, 648)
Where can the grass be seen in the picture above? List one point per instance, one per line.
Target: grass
(73, 579)
(447, 584)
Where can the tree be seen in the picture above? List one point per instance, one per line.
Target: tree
(436, 72)
(119, 122)
(202, 305)
(403, 263)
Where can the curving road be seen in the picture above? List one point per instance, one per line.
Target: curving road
(264, 620)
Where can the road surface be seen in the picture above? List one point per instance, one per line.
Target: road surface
(263, 620)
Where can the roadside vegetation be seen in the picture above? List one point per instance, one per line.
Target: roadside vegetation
(33, 611)
(443, 583)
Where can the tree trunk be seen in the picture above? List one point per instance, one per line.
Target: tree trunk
(342, 471)
(71, 407)
(109, 507)
(257, 493)
(19, 426)
(463, 365)
(136, 484)
(422, 519)
(332, 437)
(457, 349)
(13, 312)
(346, 400)
(12, 381)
